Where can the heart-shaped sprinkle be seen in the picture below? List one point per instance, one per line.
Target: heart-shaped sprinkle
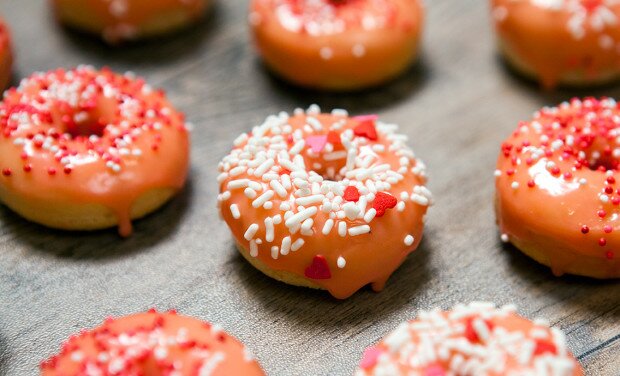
(370, 357)
(333, 138)
(382, 202)
(318, 269)
(351, 194)
(434, 370)
(366, 127)
(543, 346)
(316, 143)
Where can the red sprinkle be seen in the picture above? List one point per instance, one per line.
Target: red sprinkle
(530, 183)
(51, 171)
(382, 202)
(602, 242)
(543, 346)
(333, 138)
(318, 269)
(607, 229)
(27, 167)
(7, 172)
(609, 255)
(601, 213)
(585, 229)
(366, 128)
(351, 194)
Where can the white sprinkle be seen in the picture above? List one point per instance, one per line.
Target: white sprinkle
(308, 200)
(297, 244)
(275, 252)
(286, 245)
(351, 210)
(326, 53)
(504, 238)
(278, 188)
(341, 262)
(370, 215)
(269, 231)
(301, 216)
(342, 229)
(240, 183)
(359, 50)
(514, 185)
(253, 249)
(249, 193)
(234, 210)
(327, 227)
(359, 230)
(409, 240)
(260, 200)
(250, 232)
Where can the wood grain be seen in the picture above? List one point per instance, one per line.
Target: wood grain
(457, 105)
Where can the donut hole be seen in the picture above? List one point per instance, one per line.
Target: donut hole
(88, 120)
(330, 170)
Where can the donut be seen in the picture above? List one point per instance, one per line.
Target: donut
(556, 192)
(6, 55)
(324, 200)
(152, 343)
(83, 149)
(121, 20)
(566, 42)
(476, 339)
(337, 44)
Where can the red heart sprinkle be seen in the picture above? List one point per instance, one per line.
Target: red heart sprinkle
(318, 269)
(383, 201)
(366, 127)
(543, 346)
(333, 138)
(351, 194)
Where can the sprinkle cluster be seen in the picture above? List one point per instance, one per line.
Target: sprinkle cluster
(585, 15)
(334, 173)
(82, 116)
(567, 148)
(469, 341)
(127, 353)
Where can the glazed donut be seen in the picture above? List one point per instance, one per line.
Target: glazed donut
(568, 42)
(556, 192)
(6, 56)
(84, 149)
(477, 339)
(337, 44)
(152, 343)
(324, 201)
(121, 20)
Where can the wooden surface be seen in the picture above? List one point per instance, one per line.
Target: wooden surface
(456, 105)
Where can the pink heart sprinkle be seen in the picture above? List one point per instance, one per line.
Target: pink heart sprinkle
(365, 118)
(435, 371)
(316, 143)
(369, 359)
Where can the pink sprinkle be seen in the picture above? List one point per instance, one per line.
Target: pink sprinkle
(369, 359)
(316, 143)
(366, 118)
(435, 371)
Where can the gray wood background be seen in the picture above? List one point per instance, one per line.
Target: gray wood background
(457, 105)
